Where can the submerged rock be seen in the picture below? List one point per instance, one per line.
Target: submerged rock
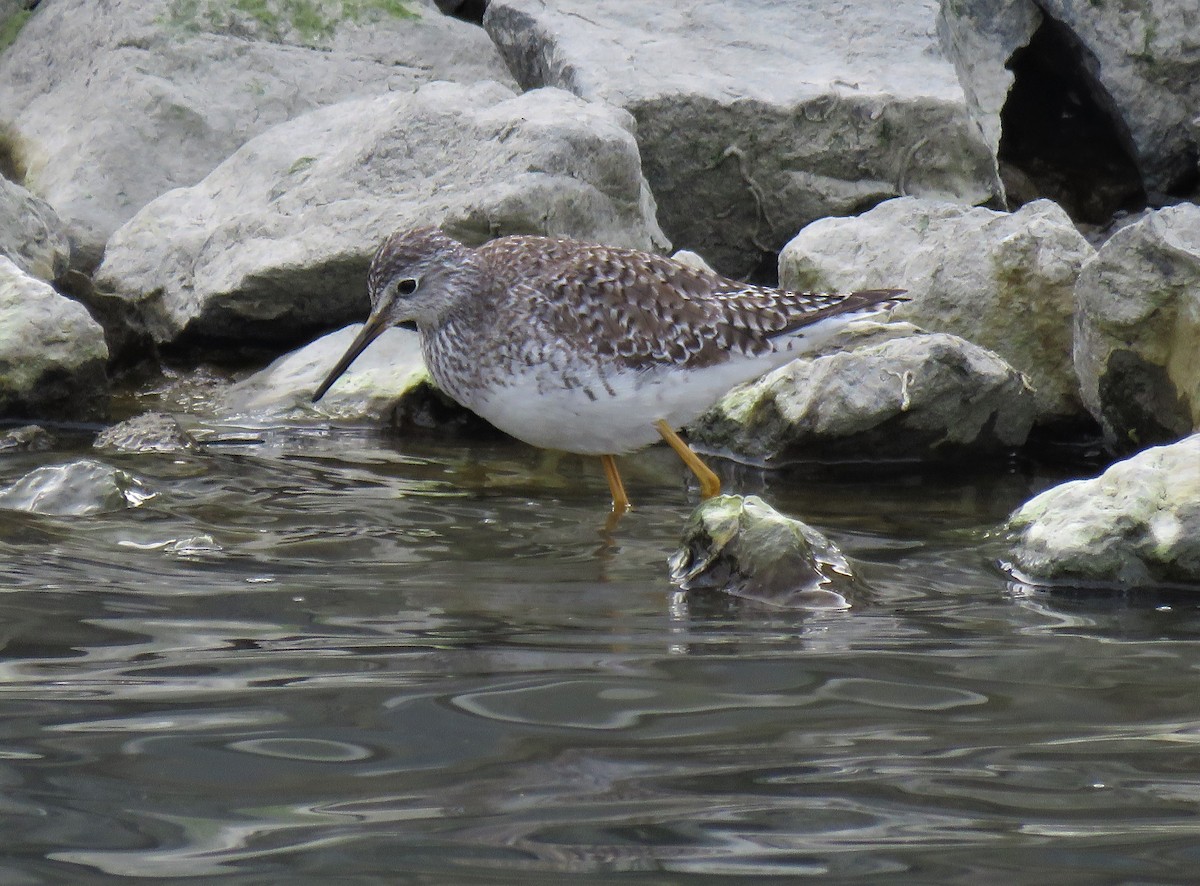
(29, 438)
(274, 244)
(744, 547)
(150, 432)
(756, 117)
(75, 489)
(1138, 523)
(1137, 330)
(1003, 281)
(52, 353)
(920, 396)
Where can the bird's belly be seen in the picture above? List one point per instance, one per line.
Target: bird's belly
(610, 415)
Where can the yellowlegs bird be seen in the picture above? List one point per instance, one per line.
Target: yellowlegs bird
(589, 349)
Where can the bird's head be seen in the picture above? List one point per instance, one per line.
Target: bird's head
(415, 279)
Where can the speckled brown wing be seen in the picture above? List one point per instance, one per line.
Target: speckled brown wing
(641, 310)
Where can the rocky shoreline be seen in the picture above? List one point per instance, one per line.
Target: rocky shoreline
(183, 181)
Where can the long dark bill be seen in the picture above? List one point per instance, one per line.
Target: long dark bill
(371, 330)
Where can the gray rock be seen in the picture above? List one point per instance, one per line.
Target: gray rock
(149, 432)
(372, 389)
(114, 102)
(980, 36)
(1142, 56)
(52, 353)
(75, 489)
(31, 233)
(1137, 330)
(754, 118)
(27, 438)
(1136, 524)
(920, 396)
(745, 548)
(1005, 281)
(275, 243)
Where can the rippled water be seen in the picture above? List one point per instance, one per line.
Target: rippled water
(332, 657)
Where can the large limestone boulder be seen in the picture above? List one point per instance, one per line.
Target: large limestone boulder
(1139, 58)
(274, 244)
(1137, 330)
(1136, 524)
(918, 396)
(754, 118)
(52, 353)
(1005, 281)
(31, 233)
(113, 102)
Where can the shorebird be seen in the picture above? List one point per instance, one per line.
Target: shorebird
(589, 349)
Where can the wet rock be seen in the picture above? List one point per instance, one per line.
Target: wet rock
(31, 233)
(52, 354)
(1136, 524)
(29, 438)
(1004, 281)
(274, 244)
(75, 489)
(755, 118)
(150, 432)
(1137, 330)
(117, 101)
(743, 547)
(920, 396)
(372, 389)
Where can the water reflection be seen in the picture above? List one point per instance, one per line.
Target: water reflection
(329, 655)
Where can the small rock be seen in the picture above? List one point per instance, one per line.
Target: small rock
(1136, 524)
(75, 489)
(52, 353)
(384, 375)
(920, 396)
(150, 432)
(1137, 330)
(30, 438)
(743, 547)
(1003, 281)
(31, 233)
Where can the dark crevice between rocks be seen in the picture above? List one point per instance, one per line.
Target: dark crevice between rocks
(468, 10)
(1062, 136)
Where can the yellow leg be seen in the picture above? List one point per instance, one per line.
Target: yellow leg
(620, 499)
(710, 483)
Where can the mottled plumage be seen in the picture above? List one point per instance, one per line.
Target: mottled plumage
(587, 348)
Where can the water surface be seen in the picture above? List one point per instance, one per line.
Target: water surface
(337, 656)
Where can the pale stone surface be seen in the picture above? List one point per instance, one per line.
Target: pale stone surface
(1004, 281)
(1137, 330)
(52, 353)
(754, 118)
(117, 101)
(918, 396)
(31, 233)
(743, 547)
(1136, 524)
(370, 390)
(275, 242)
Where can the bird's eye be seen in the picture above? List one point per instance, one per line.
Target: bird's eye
(407, 286)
